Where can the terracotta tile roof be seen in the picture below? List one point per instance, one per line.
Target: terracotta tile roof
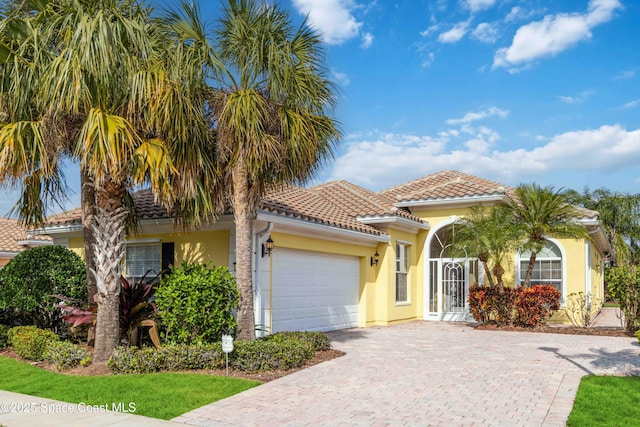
(295, 202)
(360, 202)
(143, 201)
(11, 233)
(340, 203)
(311, 205)
(448, 184)
(73, 216)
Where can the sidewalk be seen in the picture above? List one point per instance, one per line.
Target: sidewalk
(608, 318)
(19, 410)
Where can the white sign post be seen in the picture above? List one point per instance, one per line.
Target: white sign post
(227, 347)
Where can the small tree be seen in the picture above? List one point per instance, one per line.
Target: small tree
(28, 281)
(491, 235)
(623, 284)
(196, 303)
(540, 212)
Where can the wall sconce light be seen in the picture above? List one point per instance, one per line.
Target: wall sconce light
(267, 248)
(374, 259)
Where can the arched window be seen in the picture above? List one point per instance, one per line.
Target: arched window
(548, 267)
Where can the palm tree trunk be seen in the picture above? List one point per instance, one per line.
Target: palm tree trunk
(108, 229)
(498, 271)
(242, 215)
(88, 195)
(527, 277)
(487, 273)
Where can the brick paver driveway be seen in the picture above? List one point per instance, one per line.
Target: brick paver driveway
(431, 373)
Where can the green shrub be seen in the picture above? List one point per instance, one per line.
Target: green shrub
(196, 304)
(535, 305)
(285, 350)
(4, 336)
(623, 284)
(28, 281)
(318, 340)
(270, 354)
(65, 354)
(638, 335)
(31, 342)
(180, 357)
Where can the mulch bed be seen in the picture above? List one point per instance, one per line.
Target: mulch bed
(561, 329)
(101, 368)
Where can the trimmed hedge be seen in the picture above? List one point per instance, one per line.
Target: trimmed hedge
(285, 350)
(30, 342)
(269, 355)
(318, 340)
(179, 357)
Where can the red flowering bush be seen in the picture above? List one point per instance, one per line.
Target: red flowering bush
(528, 307)
(535, 305)
(489, 305)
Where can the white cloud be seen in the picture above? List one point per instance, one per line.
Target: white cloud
(515, 13)
(628, 74)
(576, 99)
(455, 34)
(367, 40)
(631, 104)
(427, 60)
(485, 32)
(332, 18)
(553, 34)
(382, 159)
(433, 28)
(473, 116)
(477, 5)
(341, 78)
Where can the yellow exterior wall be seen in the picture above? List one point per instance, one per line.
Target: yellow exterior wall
(76, 244)
(386, 311)
(192, 246)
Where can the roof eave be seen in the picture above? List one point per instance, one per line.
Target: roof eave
(304, 224)
(597, 232)
(452, 200)
(34, 242)
(394, 221)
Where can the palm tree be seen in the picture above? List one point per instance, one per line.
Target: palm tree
(620, 215)
(270, 103)
(91, 80)
(540, 212)
(490, 234)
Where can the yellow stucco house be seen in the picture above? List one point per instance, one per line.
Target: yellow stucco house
(344, 256)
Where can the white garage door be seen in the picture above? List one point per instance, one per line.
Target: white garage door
(313, 291)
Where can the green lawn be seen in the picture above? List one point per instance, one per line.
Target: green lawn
(606, 401)
(162, 395)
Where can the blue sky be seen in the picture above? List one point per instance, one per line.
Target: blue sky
(514, 91)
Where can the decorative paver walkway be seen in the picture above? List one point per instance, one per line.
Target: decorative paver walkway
(431, 373)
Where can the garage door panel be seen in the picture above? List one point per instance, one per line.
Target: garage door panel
(314, 291)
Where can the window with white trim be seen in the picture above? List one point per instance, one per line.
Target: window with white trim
(142, 258)
(547, 269)
(402, 269)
